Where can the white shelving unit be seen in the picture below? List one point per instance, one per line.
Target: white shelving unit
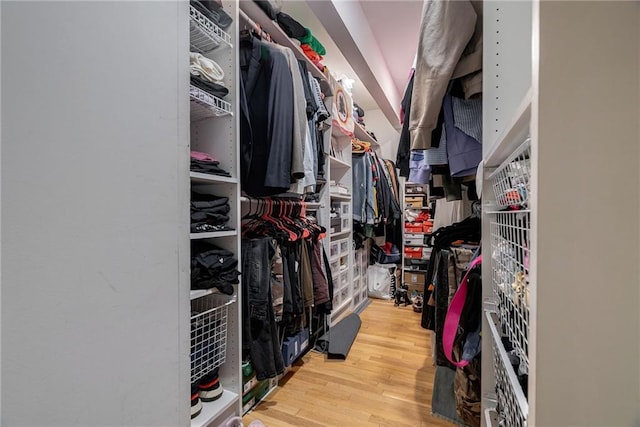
(205, 105)
(215, 130)
(213, 234)
(338, 163)
(203, 178)
(556, 282)
(413, 275)
(340, 172)
(360, 265)
(335, 169)
(362, 135)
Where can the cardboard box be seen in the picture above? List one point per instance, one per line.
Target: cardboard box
(414, 201)
(414, 278)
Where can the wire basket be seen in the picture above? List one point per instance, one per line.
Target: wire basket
(512, 406)
(205, 36)
(510, 181)
(209, 316)
(509, 234)
(205, 105)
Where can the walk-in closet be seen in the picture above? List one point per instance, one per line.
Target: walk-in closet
(284, 213)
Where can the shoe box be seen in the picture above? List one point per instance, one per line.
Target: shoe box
(414, 278)
(416, 189)
(294, 346)
(414, 239)
(416, 201)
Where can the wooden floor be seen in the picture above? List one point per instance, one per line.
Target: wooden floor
(386, 380)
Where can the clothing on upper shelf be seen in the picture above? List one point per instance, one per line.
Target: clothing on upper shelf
(313, 56)
(270, 7)
(290, 26)
(310, 40)
(205, 163)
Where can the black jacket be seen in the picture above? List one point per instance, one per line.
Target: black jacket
(266, 119)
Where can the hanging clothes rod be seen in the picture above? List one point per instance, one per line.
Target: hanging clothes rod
(308, 206)
(254, 26)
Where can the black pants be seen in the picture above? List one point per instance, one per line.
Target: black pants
(260, 334)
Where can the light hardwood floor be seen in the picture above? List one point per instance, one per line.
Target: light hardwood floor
(386, 380)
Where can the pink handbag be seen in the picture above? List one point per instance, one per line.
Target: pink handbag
(452, 320)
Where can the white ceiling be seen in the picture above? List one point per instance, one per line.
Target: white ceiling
(395, 27)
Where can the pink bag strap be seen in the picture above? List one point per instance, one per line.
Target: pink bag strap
(452, 320)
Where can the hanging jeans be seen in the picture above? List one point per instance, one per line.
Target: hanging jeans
(260, 335)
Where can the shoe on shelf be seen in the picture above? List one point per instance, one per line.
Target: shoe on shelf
(209, 387)
(196, 404)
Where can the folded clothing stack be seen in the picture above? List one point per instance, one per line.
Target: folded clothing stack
(311, 47)
(313, 56)
(209, 213)
(213, 10)
(205, 68)
(338, 189)
(206, 163)
(213, 267)
(207, 75)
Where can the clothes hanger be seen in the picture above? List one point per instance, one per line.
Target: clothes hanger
(277, 221)
(287, 220)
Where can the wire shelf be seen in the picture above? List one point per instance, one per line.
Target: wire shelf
(512, 407)
(510, 181)
(509, 234)
(205, 105)
(205, 36)
(208, 333)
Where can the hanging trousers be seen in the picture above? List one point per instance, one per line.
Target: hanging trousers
(260, 335)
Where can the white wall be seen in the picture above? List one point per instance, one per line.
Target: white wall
(94, 214)
(587, 147)
(387, 136)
